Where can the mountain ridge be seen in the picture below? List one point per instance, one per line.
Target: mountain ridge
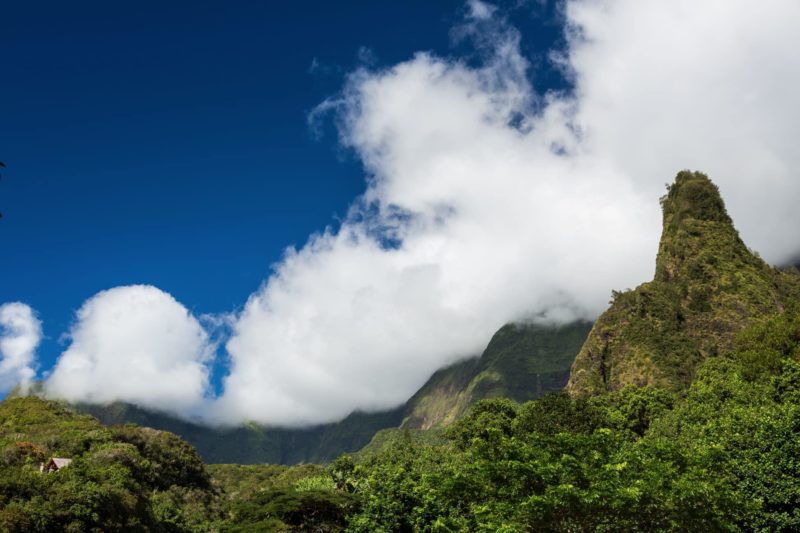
(253, 443)
(522, 361)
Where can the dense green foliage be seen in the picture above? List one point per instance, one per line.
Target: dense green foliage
(281, 498)
(748, 407)
(723, 456)
(499, 475)
(521, 362)
(124, 478)
(131, 478)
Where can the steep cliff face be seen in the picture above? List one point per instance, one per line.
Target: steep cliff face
(708, 285)
(521, 362)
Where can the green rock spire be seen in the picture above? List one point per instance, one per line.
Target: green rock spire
(695, 219)
(708, 285)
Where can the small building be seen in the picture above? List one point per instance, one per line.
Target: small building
(54, 464)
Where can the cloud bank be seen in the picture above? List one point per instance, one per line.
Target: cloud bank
(486, 202)
(20, 334)
(136, 344)
(701, 85)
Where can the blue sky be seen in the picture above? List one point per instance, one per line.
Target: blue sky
(167, 143)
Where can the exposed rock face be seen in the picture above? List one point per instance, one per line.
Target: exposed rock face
(708, 285)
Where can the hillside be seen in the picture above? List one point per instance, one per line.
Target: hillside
(724, 455)
(122, 478)
(130, 478)
(707, 287)
(521, 362)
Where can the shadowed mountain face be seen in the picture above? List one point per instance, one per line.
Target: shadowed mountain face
(253, 443)
(521, 362)
(708, 286)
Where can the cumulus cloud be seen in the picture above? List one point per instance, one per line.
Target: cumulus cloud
(135, 344)
(468, 222)
(20, 334)
(702, 85)
(488, 201)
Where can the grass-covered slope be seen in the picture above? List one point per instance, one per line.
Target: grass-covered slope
(708, 286)
(521, 362)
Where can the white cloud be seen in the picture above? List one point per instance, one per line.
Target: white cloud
(20, 334)
(492, 226)
(702, 85)
(488, 202)
(136, 344)
(480, 10)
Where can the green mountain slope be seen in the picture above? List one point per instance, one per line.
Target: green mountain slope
(124, 478)
(521, 362)
(257, 444)
(708, 286)
(721, 455)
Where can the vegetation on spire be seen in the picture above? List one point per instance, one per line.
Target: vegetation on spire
(708, 286)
